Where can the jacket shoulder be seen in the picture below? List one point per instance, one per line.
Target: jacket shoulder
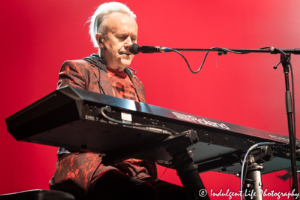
(76, 63)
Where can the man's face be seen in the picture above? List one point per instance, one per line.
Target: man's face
(121, 33)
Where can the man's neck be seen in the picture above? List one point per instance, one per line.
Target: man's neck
(118, 68)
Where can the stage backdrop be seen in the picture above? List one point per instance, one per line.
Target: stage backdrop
(38, 36)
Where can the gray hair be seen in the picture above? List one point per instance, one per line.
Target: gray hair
(102, 13)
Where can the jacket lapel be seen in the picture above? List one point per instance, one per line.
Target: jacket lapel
(105, 86)
(139, 89)
(105, 83)
(100, 72)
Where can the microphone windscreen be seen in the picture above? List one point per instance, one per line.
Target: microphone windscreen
(134, 48)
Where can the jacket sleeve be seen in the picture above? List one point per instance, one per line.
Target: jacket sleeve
(74, 74)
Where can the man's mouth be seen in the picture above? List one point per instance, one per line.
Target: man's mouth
(124, 53)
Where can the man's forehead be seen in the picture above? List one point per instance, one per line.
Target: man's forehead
(117, 21)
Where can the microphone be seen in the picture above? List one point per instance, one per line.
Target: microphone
(135, 49)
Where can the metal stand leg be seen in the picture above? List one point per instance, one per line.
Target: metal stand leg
(253, 185)
(189, 175)
(186, 169)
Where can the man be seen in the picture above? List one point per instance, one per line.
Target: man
(113, 29)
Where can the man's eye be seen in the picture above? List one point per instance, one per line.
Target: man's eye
(125, 37)
(122, 37)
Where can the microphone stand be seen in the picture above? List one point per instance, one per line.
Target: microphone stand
(285, 58)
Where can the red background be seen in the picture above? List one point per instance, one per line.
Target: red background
(38, 36)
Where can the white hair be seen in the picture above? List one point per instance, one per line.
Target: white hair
(102, 13)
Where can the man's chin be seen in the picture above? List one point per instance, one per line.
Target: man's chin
(125, 64)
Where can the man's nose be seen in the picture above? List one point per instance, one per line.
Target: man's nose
(128, 41)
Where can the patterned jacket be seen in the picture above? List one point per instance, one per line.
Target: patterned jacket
(75, 170)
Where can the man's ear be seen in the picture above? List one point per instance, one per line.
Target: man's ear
(99, 39)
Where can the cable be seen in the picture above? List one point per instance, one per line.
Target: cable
(293, 101)
(108, 109)
(273, 49)
(134, 71)
(294, 115)
(216, 48)
(244, 161)
(228, 50)
(246, 169)
(217, 60)
(194, 72)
